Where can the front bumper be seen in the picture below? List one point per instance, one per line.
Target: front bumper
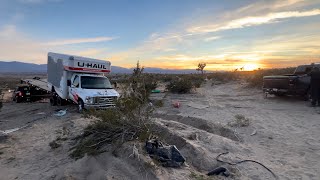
(98, 106)
(275, 90)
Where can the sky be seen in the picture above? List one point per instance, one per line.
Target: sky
(174, 34)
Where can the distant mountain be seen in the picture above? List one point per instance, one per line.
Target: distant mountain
(21, 67)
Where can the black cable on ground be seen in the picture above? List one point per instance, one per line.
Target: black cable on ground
(246, 160)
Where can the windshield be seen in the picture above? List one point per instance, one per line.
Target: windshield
(91, 82)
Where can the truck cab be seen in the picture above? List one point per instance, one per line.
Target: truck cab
(91, 91)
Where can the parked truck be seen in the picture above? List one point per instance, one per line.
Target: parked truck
(77, 79)
(297, 83)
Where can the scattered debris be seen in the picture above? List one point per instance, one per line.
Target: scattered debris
(61, 113)
(156, 91)
(6, 132)
(242, 161)
(41, 113)
(135, 152)
(176, 104)
(197, 106)
(254, 132)
(168, 156)
(219, 170)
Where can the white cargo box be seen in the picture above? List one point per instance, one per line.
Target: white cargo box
(58, 62)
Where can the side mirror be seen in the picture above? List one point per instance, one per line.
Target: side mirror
(68, 82)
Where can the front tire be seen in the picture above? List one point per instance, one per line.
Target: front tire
(80, 106)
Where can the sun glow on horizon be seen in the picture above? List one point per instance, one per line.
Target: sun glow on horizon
(250, 67)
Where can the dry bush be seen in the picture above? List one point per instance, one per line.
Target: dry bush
(185, 83)
(180, 86)
(129, 120)
(240, 121)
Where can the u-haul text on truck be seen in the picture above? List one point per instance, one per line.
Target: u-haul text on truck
(81, 80)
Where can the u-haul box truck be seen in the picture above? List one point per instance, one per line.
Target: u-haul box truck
(81, 80)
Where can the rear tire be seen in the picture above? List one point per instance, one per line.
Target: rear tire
(59, 101)
(80, 106)
(307, 96)
(279, 94)
(53, 100)
(17, 99)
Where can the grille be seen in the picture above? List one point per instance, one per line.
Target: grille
(108, 101)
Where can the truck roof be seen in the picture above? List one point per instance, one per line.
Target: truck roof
(79, 63)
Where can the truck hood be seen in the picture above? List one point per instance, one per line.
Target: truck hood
(97, 92)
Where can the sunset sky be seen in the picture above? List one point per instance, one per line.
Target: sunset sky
(164, 33)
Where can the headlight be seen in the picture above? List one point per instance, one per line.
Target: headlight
(89, 100)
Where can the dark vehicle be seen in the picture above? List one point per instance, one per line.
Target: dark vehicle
(297, 83)
(21, 94)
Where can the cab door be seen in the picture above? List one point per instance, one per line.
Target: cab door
(74, 87)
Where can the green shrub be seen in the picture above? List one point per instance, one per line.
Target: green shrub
(180, 86)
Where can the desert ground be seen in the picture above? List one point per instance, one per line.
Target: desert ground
(282, 133)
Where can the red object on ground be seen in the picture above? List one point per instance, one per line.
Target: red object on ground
(176, 104)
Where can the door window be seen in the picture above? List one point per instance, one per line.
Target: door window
(76, 81)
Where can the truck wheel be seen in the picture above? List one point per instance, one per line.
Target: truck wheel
(80, 106)
(59, 101)
(53, 100)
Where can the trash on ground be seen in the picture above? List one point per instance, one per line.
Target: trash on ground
(41, 113)
(219, 171)
(61, 113)
(254, 132)
(176, 104)
(156, 91)
(197, 106)
(11, 130)
(168, 156)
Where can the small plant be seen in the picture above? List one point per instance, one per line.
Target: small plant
(240, 121)
(158, 103)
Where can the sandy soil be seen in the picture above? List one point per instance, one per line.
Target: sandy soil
(287, 129)
(286, 139)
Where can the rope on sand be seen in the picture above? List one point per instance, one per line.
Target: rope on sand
(246, 160)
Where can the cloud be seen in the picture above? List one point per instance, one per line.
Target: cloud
(211, 38)
(253, 20)
(79, 41)
(16, 45)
